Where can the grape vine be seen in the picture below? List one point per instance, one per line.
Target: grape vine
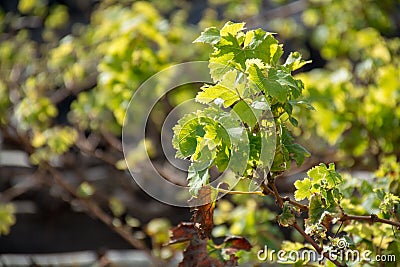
(249, 81)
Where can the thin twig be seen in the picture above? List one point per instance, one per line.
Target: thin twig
(280, 201)
(295, 203)
(373, 218)
(85, 146)
(259, 193)
(340, 226)
(268, 191)
(62, 93)
(112, 140)
(29, 183)
(278, 198)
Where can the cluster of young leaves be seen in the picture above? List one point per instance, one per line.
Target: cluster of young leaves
(352, 51)
(331, 197)
(388, 188)
(248, 80)
(204, 138)
(321, 190)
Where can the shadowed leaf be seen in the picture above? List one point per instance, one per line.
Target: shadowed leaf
(183, 232)
(238, 243)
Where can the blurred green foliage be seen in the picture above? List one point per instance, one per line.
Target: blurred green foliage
(7, 217)
(357, 93)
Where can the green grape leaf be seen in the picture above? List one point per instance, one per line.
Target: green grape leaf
(303, 189)
(239, 142)
(269, 84)
(294, 61)
(198, 177)
(202, 147)
(262, 45)
(388, 202)
(317, 173)
(296, 151)
(304, 103)
(235, 80)
(215, 134)
(254, 44)
(255, 148)
(210, 36)
(219, 65)
(230, 45)
(210, 93)
(380, 193)
(316, 208)
(228, 90)
(322, 172)
(246, 113)
(286, 218)
(333, 178)
(222, 158)
(185, 135)
(256, 61)
(280, 162)
(210, 136)
(294, 122)
(231, 28)
(198, 174)
(319, 212)
(285, 79)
